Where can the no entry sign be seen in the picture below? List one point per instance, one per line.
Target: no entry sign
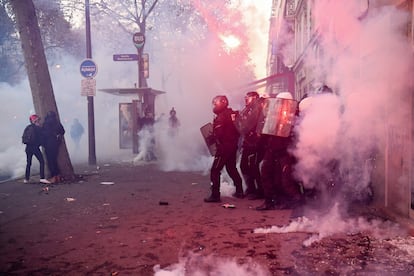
(88, 68)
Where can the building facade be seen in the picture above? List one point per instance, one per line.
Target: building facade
(297, 49)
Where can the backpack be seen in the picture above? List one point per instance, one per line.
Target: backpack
(29, 135)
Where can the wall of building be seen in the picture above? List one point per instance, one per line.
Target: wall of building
(393, 173)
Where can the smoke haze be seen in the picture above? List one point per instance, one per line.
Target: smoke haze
(190, 76)
(367, 62)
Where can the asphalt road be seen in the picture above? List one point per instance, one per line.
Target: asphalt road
(126, 219)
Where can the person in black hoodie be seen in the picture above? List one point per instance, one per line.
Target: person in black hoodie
(54, 132)
(227, 138)
(33, 138)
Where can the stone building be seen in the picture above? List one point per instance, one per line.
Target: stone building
(313, 43)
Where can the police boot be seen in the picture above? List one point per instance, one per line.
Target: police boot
(238, 194)
(214, 197)
(239, 191)
(268, 204)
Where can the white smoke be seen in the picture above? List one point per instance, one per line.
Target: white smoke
(333, 222)
(198, 265)
(186, 73)
(367, 62)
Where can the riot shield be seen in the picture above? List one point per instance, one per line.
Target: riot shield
(278, 117)
(207, 133)
(248, 118)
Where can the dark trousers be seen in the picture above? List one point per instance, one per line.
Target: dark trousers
(51, 152)
(249, 166)
(228, 160)
(276, 172)
(30, 151)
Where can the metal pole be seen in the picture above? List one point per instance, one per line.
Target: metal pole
(91, 120)
(140, 75)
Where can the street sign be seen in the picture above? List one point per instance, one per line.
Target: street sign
(125, 57)
(88, 68)
(138, 39)
(88, 87)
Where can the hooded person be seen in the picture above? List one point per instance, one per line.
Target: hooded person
(54, 132)
(226, 138)
(76, 132)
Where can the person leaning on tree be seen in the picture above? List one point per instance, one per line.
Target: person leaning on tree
(54, 132)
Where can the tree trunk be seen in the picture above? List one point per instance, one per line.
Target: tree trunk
(38, 72)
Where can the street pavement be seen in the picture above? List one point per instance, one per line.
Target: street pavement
(133, 219)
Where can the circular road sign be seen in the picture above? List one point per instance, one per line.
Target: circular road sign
(138, 39)
(88, 68)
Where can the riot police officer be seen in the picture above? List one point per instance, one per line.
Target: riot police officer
(251, 156)
(226, 138)
(280, 189)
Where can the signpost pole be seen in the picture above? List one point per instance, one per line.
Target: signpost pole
(140, 77)
(91, 119)
(139, 40)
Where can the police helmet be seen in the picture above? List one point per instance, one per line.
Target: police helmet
(250, 97)
(220, 103)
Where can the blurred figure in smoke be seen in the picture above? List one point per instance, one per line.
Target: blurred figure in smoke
(324, 89)
(33, 137)
(173, 123)
(146, 135)
(76, 132)
(280, 190)
(318, 166)
(54, 132)
(226, 137)
(246, 124)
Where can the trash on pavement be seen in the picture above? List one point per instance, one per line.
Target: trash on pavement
(70, 199)
(228, 206)
(107, 183)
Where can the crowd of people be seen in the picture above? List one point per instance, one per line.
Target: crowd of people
(49, 135)
(266, 163)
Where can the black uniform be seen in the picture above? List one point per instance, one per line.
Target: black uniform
(278, 184)
(227, 138)
(252, 147)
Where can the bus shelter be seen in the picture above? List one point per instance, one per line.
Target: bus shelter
(134, 115)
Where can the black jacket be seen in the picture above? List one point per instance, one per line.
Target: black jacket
(225, 132)
(37, 136)
(53, 131)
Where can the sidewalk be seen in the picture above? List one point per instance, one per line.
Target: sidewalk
(125, 220)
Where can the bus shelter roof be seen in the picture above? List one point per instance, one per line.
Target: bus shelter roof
(131, 91)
